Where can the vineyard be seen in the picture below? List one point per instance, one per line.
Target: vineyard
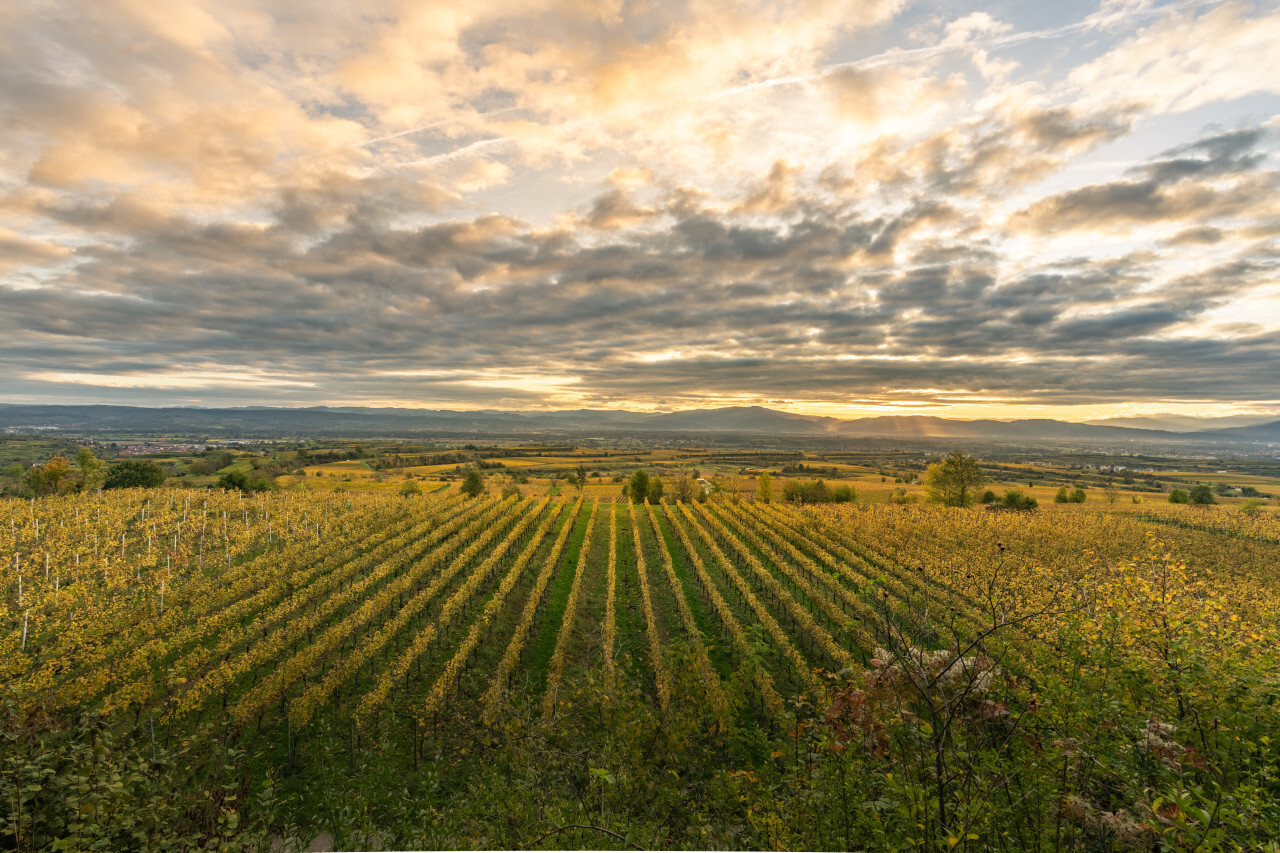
(254, 649)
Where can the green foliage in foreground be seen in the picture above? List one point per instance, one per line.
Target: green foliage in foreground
(1122, 751)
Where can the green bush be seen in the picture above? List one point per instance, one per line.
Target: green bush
(1016, 500)
(134, 473)
(239, 480)
(843, 494)
(1202, 494)
(808, 492)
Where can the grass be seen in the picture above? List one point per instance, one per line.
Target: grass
(538, 654)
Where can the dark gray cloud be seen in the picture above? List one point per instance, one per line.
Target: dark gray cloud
(1210, 179)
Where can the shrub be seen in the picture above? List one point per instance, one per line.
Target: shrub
(1202, 495)
(245, 483)
(1016, 500)
(134, 473)
(1178, 496)
(809, 492)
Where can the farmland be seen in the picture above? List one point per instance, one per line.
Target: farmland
(573, 670)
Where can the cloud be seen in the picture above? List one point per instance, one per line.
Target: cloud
(1188, 59)
(609, 204)
(1220, 180)
(1202, 235)
(889, 99)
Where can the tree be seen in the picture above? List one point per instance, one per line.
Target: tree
(655, 489)
(989, 497)
(1063, 496)
(1202, 495)
(410, 488)
(1178, 496)
(843, 494)
(764, 487)
(1078, 495)
(47, 479)
(952, 481)
(472, 482)
(134, 473)
(1111, 493)
(234, 481)
(91, 470)
(638, 486)
(683, 489)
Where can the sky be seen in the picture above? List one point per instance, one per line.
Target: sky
(839, 207)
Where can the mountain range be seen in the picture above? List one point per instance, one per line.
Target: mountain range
(259, 420)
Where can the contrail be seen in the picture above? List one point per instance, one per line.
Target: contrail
(434, 124)
(459, 153)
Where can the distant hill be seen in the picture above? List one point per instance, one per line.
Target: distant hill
(1184, 423)
(1268, 433)
(259, 421)
(919, 426)
(732, 419)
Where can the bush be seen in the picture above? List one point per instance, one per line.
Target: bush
(843, 494)
(1077, 495)
(1016, 500)
(1253, 506)
(1202, 495)
(1063, 496)
(134, 473)
(245, 483)
(809, 492)
(1178, 496)
(988, 497)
